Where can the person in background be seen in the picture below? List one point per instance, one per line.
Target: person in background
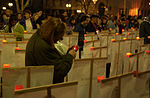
(19, 17)
(144, 30)
(104, 23)
(110, 24)
(81, 28)
(15, 27)
(41, 51)
(27, 21)
(92, 25)
(70, 25)
(2, 26)
(7, 15)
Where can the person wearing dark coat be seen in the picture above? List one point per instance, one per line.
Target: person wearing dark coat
(81, 28)
(144, 30)
(41, 51)
(92, 25)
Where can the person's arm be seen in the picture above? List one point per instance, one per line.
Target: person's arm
(50, 56)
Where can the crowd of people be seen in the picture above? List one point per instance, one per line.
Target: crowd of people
(40, 49)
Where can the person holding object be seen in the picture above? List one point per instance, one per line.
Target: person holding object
(40, 49)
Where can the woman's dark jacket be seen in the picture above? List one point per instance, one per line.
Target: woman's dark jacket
(39, 52)
(145, 31)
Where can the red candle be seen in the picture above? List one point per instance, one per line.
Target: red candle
(6, 65)
(99, 78)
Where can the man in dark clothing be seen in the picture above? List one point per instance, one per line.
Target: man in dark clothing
(40, 49)
(145, 30)
(81, 29)
(92, 25)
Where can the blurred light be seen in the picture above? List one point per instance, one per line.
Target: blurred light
(4, 8)
(137, 38)
(122, 30)
(128, 54)
(148, 37)
(6, 65)
(117, 33)
(112, 40)
(78, 11)
(91, 48)
(68, 5)
(148, 51)
(128, 33)
(75, 48)
(25, 31)
(17, 48)
(4, 41)
(149, 3)
(19, 87)
(85, 41)
(10, 4)
(124, 38)
(85, 35)
(99, 78)
(94, 1)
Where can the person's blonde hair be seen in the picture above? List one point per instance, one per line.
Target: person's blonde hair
(51, 29)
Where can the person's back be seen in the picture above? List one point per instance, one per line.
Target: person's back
(145, 31)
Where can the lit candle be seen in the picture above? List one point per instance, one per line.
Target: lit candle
(128, 54)
(148, 37)
(124, 38)
(85, 41)
(128, 33)
(137, 38)
(91, 48)
(6, 65)
(25, 31)
(17, 48)
(4, 41)
(122, 30)
(75, 48)
(85, 35)
(19, 87)
(148, 51)
(99, 78)
(112, 40)
(110, 29)
(117, 33)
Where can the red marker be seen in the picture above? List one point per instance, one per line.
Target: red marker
(128, 54)
(6, 65)
(91, 48)
(148, 51)
(99, 78)
(85, 41)
(17, 48)
(19, 87)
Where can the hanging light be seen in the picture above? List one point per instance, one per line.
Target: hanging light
(10, 4)
(94, 1)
